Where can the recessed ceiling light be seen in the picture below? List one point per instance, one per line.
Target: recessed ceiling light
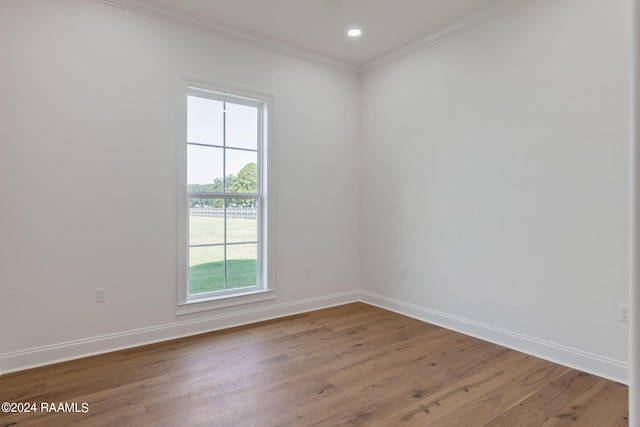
(354, 32)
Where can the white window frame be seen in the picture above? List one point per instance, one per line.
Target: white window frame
(265, 289)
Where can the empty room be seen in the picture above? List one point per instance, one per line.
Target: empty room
(318, 212)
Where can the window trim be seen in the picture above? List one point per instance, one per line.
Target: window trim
(185, 303)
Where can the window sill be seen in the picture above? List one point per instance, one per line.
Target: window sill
(225, 301)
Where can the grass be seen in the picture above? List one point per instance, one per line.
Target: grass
(206, 264)
(208, 230)
(209, 277)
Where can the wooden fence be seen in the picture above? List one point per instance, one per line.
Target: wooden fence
(244, 212)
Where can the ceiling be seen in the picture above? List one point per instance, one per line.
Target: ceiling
(319, 26)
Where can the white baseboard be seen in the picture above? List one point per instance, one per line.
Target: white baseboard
(34, 357)
(583, 361)
(572, 358)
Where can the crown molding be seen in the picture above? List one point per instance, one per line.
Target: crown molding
(446, 33)
(147, 8)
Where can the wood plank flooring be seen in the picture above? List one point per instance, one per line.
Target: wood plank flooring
(343, 366)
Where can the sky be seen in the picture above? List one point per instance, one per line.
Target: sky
(207, 122)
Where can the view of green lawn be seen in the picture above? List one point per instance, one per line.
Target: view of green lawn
(206, 263)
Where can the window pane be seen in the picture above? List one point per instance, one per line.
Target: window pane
(243, 166)
(204, 168)
(224, 143)
(206, 269)
(242, 222)
(241, 265)
(242, 126)
(204, 121)
(206, 222)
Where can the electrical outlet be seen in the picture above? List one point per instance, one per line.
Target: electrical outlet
(623, 312)
(403, 271)
(101, 294)
(307, 269)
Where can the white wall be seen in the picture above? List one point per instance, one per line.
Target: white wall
(88, 177)
(495, 167)
(634, 338)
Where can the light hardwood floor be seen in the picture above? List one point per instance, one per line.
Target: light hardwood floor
(348, 365)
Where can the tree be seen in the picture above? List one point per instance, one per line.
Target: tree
(246, 182)
(216, 187)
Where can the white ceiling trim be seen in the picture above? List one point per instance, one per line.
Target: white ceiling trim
(144, 8)
(430, 40)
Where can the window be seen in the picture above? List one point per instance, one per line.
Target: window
(224, 199)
